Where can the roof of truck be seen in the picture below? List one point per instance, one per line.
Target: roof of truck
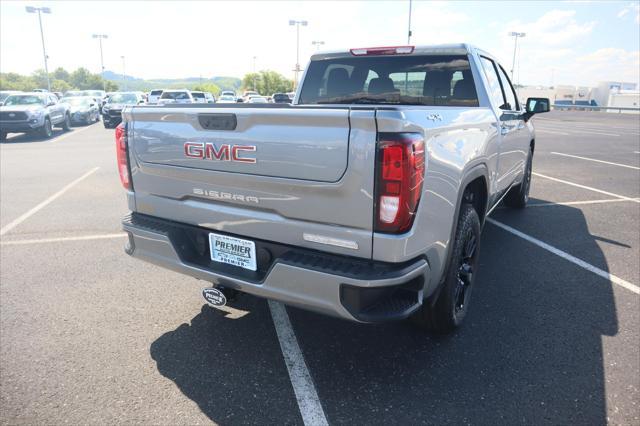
(435, 49)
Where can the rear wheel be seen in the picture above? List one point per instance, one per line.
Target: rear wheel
(46, 131)
(445, 310)
(518, 196)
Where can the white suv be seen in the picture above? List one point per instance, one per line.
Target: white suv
(180, 96)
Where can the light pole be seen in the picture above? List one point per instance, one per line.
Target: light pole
(409, 30)
(317, 44)
(515, 48)
(100, 37)
(254, 73)
(124, 75)
(40, 10)
(297, 70)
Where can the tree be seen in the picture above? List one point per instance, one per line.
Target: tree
(267, 82)
(207, 87)
(61, 74)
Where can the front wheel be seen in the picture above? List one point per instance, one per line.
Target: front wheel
(445, 310)
(46, 131)
(518, 196)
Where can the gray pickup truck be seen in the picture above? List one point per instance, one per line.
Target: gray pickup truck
(364, 199)
(33, 112)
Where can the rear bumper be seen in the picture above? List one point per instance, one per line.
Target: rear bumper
(350, 288)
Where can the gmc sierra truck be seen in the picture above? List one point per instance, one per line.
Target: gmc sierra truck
(363, 199)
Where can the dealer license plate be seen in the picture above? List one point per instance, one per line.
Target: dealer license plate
(233, 251)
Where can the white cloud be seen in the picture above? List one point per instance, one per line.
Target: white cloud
(631, 8)
(556, 27)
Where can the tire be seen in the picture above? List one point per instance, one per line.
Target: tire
(66, 124)
(518, 196)
(46, 131)
(445, 311)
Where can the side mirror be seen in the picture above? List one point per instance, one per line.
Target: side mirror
(92, 105)
(140, 102)
(538, 105)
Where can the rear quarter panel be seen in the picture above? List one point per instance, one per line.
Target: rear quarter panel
(458, 142)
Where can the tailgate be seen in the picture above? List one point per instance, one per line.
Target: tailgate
(289, 143)
(295, 175)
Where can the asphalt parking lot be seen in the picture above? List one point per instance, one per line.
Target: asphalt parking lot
(91, 336)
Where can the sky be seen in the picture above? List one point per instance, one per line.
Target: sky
(572, 42)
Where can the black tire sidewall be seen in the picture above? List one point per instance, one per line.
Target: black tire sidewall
(47, 129)
(446, 319)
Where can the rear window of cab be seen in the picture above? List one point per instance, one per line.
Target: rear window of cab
(432, 80)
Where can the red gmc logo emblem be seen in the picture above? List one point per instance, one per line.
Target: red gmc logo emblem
(225, 152)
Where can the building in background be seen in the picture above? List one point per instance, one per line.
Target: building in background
(606, 94)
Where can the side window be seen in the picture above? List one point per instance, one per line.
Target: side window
(495, 89)
(509, 92)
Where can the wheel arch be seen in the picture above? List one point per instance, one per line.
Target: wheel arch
(476, 178)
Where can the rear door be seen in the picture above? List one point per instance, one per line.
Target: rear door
(507, 124)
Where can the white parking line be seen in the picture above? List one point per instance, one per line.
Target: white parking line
(579, 203)
(63, 239)
(75, 132)
(538, 130)
(8, 227)
(589, 267)
(308, 401)
(576, 131)
(58, 138)
(597, 161)
(577, 185)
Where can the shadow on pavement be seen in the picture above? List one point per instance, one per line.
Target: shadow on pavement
(529, 353)
(31, 137)
(232, 368)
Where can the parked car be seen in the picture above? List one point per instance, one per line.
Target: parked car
(112, 110)
(257, 100)
(281, 98)
(98, 95)
(154, 97)
(226, 99)
(248, 93)
(5, 93)
(176, 97)
(83, 109)
(228, 93)
(203, 97)
(387, 184)
(33, 112)
(71, 93)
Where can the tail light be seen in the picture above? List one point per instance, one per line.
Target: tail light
(122, 156)
(399, 177)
